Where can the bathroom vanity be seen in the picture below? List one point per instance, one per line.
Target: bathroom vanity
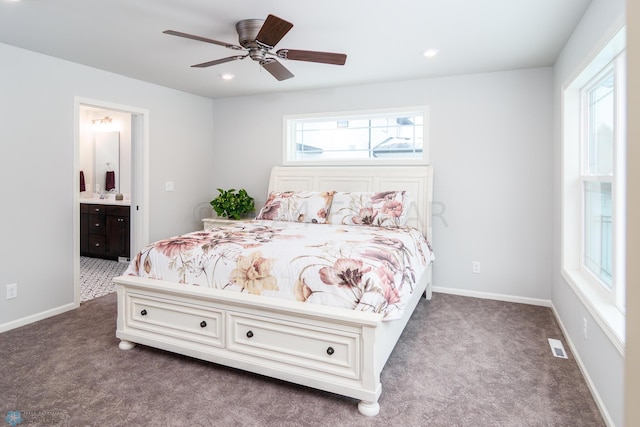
(105, 228)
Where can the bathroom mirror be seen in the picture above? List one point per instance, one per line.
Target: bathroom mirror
(107, 162)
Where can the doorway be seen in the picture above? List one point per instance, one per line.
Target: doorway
(129, 127)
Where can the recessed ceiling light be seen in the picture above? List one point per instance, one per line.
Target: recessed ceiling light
(430, 53)
(227, 76)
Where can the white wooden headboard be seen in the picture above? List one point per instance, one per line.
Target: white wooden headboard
(417, 180)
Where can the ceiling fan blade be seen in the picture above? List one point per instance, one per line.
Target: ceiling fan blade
(219, 61)
(202, 39)
(273, 30)
(312, 56)
(276, 69)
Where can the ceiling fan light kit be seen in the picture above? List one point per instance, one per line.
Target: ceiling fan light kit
(257, 38)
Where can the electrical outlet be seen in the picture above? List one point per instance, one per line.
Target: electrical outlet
(12, 291)
(584, 327)
(475, 267)
(169, 186)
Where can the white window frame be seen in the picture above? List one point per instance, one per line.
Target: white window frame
(606, 306)
(585, 175)
(288, 148)
(616, 293)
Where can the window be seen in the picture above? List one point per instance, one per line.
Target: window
(380, 136)
(597, 177)
(593, 180)
(602, 177)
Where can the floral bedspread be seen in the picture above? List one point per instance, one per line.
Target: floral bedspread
(358, 267)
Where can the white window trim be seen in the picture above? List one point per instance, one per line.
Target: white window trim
(287, 146)
(599, 302)
(585, 176)
(609, 318)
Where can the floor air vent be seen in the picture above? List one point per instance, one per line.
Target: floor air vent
(557, 348)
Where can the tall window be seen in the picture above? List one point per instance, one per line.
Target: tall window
(380, 136)
(603, 142)
(593, 185)
(597, 178)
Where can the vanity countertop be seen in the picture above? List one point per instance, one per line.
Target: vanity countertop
(108, 201)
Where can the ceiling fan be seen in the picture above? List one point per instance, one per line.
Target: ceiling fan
(258, 37)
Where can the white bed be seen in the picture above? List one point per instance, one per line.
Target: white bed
(333, 349)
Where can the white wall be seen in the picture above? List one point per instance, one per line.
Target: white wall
(36, 130)
(490, 142)
(603, 363)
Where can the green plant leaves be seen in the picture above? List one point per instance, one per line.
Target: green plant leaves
(233, 204)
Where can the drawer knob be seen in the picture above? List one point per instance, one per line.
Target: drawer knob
(97, 224)
(97, 245)
(143, 312)
(203, 324)
(249, 334)
(330, 351)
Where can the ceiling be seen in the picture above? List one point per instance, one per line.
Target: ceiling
(383, 40)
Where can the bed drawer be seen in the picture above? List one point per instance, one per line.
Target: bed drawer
(272, 341)
(182, 320)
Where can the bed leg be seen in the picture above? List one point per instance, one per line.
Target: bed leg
(370, 409)
(428, 293)
(126, 345)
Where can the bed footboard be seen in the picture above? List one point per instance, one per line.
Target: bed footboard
(332, 349)
(327, 351)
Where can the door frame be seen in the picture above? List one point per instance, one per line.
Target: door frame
(139, 179)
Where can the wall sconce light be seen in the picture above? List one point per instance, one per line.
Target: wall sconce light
(106, 119)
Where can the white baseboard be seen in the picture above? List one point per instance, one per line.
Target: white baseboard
(585, 374)
(38, 316)
(497, 297)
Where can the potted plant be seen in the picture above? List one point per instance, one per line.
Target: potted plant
(233, 204)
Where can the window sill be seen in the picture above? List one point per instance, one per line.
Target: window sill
(356, 162)
(609, 318)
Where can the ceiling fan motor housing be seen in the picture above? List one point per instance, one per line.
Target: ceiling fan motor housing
(247, 32)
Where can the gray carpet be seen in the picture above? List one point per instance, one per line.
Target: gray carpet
(460, 362)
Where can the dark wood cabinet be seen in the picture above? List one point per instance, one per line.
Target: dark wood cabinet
(117, 232)
(84, 229)
(104, 231)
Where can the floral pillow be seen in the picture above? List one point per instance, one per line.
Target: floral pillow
(297, 206)
(378, 209)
